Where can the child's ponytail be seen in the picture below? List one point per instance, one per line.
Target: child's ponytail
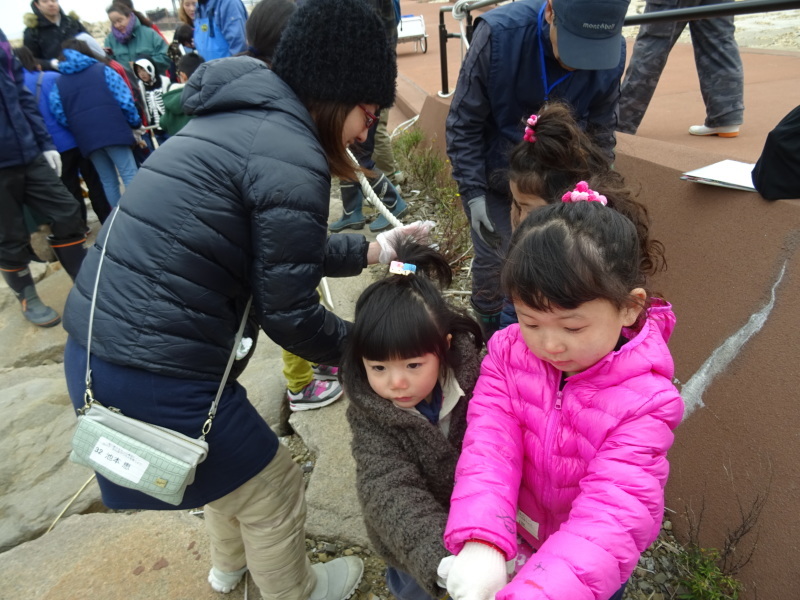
(555, 156)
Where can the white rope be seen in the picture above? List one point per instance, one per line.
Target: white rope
(370, 195)
(403, 126)
(75, 497)
(460, 15)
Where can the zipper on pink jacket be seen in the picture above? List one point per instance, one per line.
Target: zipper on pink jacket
(559, 398)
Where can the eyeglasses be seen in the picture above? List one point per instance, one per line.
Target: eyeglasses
(371, 119)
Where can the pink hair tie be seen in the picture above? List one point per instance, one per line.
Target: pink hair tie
(583, 193)
(529, 135)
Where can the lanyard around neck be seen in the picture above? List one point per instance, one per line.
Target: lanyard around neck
(547, 88)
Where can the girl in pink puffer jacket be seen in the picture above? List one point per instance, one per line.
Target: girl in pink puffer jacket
(571, 418)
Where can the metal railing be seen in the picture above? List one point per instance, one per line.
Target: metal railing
(742, 7)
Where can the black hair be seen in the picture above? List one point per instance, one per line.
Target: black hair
(129, 5)
(569, 253)
(78, 46)
(27, 58)
(404, 316)
(184, 34)
(562, 155)
(264, 27)
(189, 62)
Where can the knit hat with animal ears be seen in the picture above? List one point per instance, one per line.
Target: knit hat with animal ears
(337, 51)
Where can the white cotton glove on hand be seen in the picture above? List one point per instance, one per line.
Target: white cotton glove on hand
(477, 573)
(53, 159)
(419, 231)
(443, 570)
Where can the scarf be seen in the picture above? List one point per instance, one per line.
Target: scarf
(431, 411)
(123, 37)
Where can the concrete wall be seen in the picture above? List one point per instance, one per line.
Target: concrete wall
(734, 280)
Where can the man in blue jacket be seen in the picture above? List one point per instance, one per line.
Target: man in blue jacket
(522, 55)
(29, 175)
(219, 28)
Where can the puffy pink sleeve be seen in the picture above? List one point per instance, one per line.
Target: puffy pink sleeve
(484, 501)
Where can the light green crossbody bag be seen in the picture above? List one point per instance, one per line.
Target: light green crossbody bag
(134, 454)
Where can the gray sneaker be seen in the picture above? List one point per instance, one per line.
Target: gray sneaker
(337, 579)
(315, 395)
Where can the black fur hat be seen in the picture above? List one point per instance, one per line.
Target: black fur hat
(337, 51)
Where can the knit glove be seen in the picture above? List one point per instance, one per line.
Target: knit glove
(443, 570)
(482, 223)
(478, 573)
(53, 159)
(419, 231)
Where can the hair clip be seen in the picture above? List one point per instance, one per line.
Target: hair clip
(529, 135)
(399, 268)
(582, 193)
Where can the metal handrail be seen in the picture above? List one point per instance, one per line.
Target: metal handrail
(741, 7)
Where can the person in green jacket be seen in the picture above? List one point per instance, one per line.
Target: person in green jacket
(173, 119)
(129, 38)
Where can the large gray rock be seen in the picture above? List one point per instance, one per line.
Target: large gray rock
(142, 556)
(36, 476)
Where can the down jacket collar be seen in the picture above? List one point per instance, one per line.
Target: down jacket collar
(239, 83)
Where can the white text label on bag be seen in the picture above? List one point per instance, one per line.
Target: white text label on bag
(119, 460)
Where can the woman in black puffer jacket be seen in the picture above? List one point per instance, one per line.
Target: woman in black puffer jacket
(236, 205)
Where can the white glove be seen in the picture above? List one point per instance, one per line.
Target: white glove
(419, 231)
(54, 64)
(53, 159)
(443, 570)
(477, 573)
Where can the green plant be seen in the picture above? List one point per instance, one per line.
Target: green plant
(438, 199)
(703, 577)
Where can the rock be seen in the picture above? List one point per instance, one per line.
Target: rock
(667, 525)
(22, 344)
(265, 385)
(140, 556)
(660, 578)
(36, 476)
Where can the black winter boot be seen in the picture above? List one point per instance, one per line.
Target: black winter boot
(33, 309)
(352, 201)
(69, 253)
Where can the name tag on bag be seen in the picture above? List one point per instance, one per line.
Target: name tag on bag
(119, 460)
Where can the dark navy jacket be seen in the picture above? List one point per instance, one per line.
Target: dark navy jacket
(93, 113)
(501, 84)
(235, 204)
(23, 135)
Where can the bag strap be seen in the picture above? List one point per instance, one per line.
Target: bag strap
(88, 397)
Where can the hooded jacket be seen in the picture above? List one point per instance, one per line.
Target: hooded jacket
(404, 470)
(44, 38)
(585, 466)
(153, 91)
(94, 103)
(144, 41)
(23, 135)
(236, 204)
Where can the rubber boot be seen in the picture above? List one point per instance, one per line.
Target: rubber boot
(33, 309)
(389, 195)
(352, 200)
(489, 322)
(69, 253)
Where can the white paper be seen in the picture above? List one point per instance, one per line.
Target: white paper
(726, 173)
(528, 524)
(119, 460)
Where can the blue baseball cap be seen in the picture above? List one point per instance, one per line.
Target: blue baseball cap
(589, 32)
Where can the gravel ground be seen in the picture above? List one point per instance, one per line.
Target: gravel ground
(655, 578)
